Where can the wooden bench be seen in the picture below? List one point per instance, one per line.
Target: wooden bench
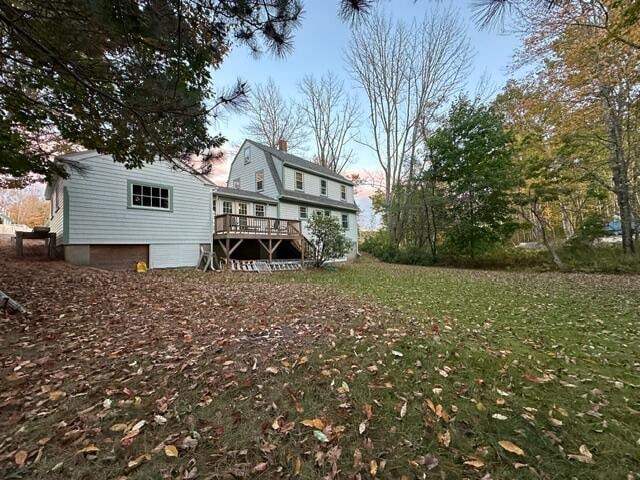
(48, 237)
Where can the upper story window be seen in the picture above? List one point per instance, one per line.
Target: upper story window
(213, 205)
(259, 181)
(247, 155)
(345, 221)
(243, 208)
(323, 187)
(299, 181)
(343, 192)
(236, 183)
(302, 213)
(259, 209)
(227, 207)
(156, 197)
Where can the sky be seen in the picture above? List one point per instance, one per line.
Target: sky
(319, 45)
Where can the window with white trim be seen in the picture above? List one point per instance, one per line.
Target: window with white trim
(213, 205)
(302, 213)
(227, 207)
(299, 181)
(345, 221)
(323, 187)
(243, 209)
(343, 192)
(236, 183)
(259, 181)
(247, 155)
(149, 196)
(259, 210)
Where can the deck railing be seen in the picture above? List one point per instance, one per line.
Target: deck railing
(228, 224)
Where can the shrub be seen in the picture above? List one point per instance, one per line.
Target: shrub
(328, 241)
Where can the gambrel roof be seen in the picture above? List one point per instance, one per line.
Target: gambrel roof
(298, 163)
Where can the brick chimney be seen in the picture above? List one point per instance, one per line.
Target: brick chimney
(282, 145)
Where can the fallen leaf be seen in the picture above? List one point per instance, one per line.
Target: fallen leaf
(260, 467)
(320, 436)
(373, 468)
(316, 423)
(584, 457)
(499, 416)
(89, 449)
(444, 438)
(367, 410)
(272, 370)
(362, 427)
(396, 353)
(403, 410)
(57, 395)
(475, 463)
(511, 447)
(170, 451)
(136, 462)
(118, 427)
(20, 457)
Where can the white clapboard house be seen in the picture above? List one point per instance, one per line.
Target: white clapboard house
(106, 215)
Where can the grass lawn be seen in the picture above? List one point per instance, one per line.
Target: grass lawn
(396, 372)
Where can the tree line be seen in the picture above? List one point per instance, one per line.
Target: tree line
(553, 157)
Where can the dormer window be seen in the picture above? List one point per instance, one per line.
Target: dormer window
(247, 155)
(323, 187)
(236, 183)
(343, 192)
(299, 181)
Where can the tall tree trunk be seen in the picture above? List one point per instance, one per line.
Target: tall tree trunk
(619, 169)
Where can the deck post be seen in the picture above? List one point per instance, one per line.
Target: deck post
(270, 251)
(302, 252)
(228, 255)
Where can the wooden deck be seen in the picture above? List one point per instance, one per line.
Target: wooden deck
(230, 230)
(246, 226)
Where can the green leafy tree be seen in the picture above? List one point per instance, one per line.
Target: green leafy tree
(131, 78)
(328, 240)
(473, 157)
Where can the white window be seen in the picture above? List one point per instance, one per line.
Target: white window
(299, 181)
(259, 181)
(247, 155)
(213, 205)
(242, 208)
(345, 221)
(323, 187)
(259, 208)
(302, 212)
(343, 192)
(227, 207)
(236, 183)
(149, 196)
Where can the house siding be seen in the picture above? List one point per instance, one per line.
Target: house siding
(247, 173)
(291, 211)
(311, 185)
(99, 213)
(56, 222)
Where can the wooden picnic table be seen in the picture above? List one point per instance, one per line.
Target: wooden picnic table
(48, 237)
